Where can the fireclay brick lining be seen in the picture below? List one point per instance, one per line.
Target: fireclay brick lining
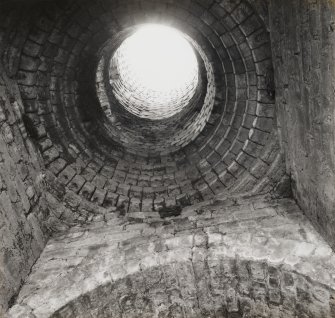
(57, 84)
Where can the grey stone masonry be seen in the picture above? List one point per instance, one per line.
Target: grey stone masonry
(236, 255)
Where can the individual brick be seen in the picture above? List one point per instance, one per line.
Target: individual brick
(160, 192)
(87, 190)
(98, 196)
(107, 172)
(50, 155)
(147, 205)
(258, 136)
(136, 192)
(76, 183)
(123, 204)
(156, 181)
(174, 190)
(148, 193)
(66, 175)
(119, 176)
(110, 200)
(123, 189)
(57, 166)
(99, 181)
(88, 174)
(111, 185)
(143, 181)
(134, 205)
(131, 180)
(31, 49)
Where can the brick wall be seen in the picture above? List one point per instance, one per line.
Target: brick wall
(95, 163)
(237, 257)
(63, 164)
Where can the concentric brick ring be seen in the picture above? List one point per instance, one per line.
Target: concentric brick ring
(141, 77)
(155, 137)
(224, 141)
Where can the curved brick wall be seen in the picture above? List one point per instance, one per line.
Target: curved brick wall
(226, 288)
(124, 197)
(100, 157)
(155, 137)
(241, 257)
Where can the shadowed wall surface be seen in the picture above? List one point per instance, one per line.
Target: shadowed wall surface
(303, 46)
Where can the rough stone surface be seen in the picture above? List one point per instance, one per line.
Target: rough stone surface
(23, 210)
(184, 216)
(241, 257)
(303, 47)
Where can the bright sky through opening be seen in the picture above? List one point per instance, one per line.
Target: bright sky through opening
(159, 59)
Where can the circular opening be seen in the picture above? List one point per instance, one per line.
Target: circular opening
(154, 73)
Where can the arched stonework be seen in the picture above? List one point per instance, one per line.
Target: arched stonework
(106, 213)
(217, 288)
(252, 256)
(224, 141)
